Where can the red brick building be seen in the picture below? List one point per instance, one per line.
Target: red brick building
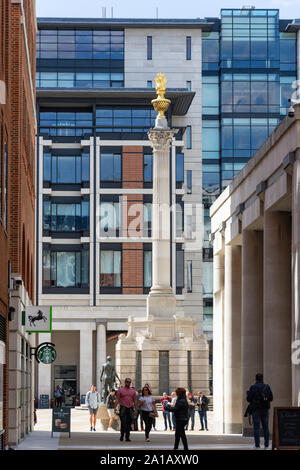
(17, 211)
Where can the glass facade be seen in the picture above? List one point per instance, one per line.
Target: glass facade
(80, 58)
(248, 74)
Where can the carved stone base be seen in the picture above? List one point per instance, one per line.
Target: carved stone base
(176, 335)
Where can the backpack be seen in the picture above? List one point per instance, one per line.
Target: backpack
(57, 393)
(262, 397)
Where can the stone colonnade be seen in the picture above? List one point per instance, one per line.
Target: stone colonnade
(256, 300)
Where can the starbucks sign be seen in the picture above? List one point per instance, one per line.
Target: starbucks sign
(45, 353)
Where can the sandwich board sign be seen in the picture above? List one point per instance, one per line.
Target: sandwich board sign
(38, 319)
(286, 428)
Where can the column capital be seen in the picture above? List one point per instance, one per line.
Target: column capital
(160, 138)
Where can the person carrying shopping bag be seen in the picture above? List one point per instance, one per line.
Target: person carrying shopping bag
(148, 407)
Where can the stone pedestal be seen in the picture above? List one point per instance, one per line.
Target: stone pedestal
(177, 335)
(104, 419)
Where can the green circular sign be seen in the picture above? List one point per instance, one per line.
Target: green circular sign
(46, 354)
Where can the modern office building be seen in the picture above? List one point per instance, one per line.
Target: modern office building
(17, 215)
(229, 79)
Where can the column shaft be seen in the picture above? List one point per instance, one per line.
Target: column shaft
(161, 301)
(232, 341)
(252, 312)
(86, 359)
(296, 284)
(101, 353)
(161, 219)
(277, 305)
(218, 358)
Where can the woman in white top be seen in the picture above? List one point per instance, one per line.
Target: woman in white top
(147, 405)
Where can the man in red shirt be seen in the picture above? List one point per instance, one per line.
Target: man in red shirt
(126, 396)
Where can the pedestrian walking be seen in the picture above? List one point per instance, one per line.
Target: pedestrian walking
(153, 420)
(202, 402)
(92, 401)
(139, 412)
(173, 402)
(126, 396)
(181, 411)
(148, 407)
(259, 396)
(192, 401)
(58, 397)
(165, 400)
(110, 405)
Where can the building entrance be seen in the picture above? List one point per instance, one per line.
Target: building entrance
(66, 378)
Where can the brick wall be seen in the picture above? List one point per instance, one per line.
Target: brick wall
(22, 176)
(17, 131)
(5, 125)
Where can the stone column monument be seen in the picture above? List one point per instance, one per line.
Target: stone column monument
(172, 355)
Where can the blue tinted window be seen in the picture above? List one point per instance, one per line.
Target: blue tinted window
(189, 181)
(210, 95)
(66, 169)
(179, 167)
(210, 51)
(47, 167)
(110, 167)
(188, 137)
(188, 48)
(148, 168)
(149, 47)
(210, 139)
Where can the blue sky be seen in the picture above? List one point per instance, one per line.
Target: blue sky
(166, 8)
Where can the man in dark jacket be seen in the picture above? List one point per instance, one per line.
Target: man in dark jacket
(259, 396)
(181, 412)
(202, 402)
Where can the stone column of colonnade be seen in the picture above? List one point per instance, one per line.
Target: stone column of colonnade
(86, 358)
(252, 313)
(218, 385)
(277, 306)
(296, 282)
(100, 353)
(232, 341)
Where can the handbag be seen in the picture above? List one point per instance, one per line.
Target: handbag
(153, 414)
(248, 414)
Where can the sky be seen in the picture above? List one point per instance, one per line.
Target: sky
(166, 8)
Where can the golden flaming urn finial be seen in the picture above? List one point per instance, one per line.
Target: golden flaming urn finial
(161, 104)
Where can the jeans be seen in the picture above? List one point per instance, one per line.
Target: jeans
(192, 418)
(166, 415)
(261, 416)
(180, 433)
(173, 421)
(203, 419)
(148, 422)
(126, 420)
